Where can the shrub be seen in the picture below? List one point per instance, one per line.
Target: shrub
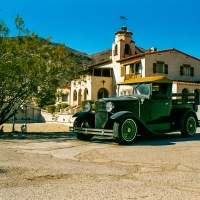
(61, 106)
(51, 108)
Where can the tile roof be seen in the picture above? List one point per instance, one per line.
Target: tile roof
(155, 52)
(68, 86)
(186, 83)
(142, 54)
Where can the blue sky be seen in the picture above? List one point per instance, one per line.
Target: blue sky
(89, 25)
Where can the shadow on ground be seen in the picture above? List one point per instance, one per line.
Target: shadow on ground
(37, 136)
(152, 140)
(148, 140)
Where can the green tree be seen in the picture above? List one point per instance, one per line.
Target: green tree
(3, 28)
(30, 69)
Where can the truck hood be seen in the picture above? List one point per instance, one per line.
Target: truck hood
(126, 103)
(126, 98)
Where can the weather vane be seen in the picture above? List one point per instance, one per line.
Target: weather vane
(123, 18)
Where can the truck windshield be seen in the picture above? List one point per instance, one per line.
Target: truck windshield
(134, 89)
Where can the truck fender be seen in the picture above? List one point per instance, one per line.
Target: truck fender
(116, 118)
(86, 117)
(120, 114)
(184, 113)
(79, 114)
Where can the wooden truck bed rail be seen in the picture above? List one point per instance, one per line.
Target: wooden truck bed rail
(184, 98)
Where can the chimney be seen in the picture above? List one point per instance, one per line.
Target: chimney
(153, 49)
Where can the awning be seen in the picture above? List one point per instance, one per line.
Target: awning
(157, 79)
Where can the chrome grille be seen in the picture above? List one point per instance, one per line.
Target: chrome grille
(101, 115)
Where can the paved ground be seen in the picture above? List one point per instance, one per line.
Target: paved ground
(54, 165)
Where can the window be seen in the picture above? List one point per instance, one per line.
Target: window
(127, 49)
(135, 69)
(186, 70)
(65, 98)
(106, 72)
(116, 50)
(102, 72)
(97, 72)
(161, 90)
(160, 67)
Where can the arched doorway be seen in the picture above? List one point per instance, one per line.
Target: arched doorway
(75, 96)
(102, 93)
(85, 94)
(185, 91)
(79, 96)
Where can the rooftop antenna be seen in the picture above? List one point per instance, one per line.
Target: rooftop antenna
(123, 18)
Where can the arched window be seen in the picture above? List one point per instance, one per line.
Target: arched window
(102, 93)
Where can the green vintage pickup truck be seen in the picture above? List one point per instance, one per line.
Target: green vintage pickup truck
(143, 106)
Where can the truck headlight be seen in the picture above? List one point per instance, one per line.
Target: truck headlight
(88, 107)
(109, 106)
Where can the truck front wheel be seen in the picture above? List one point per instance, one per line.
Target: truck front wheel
(78, 123)
(190, 126)
(127, 130)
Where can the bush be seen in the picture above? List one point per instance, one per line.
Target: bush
(50, 108)
(61, 106)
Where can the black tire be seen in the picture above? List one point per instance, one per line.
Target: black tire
(79, 123)
(190, 126)
(126, 130)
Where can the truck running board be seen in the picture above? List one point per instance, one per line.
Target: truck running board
(102, 132)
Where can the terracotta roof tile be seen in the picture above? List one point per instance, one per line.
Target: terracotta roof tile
(155, 52)
(186, 83)
(68, 86)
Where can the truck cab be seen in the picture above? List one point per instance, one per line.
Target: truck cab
(142, 106)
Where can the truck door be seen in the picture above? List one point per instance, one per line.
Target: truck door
(160, 106)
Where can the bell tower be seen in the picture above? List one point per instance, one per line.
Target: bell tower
(123, 46)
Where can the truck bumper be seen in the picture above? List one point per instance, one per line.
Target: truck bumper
(103, 132)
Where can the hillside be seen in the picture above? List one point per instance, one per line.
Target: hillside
(85, 59)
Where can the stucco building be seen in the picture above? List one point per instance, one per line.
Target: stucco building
(129, 61)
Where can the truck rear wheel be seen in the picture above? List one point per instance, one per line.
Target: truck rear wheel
(127, 130)
(190, 126)
(79, 123)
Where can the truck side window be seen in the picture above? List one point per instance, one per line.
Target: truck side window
(160, 90)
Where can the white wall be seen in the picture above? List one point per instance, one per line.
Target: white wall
(174, 60)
